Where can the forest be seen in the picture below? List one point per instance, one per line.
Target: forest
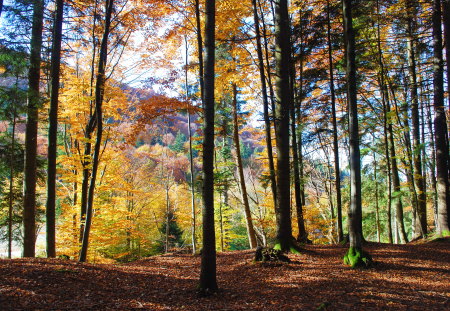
(204, 133)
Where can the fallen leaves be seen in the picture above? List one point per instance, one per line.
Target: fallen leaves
(412, 277)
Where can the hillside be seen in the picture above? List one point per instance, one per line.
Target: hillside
(405, 277)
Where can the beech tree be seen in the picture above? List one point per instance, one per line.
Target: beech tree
(208, 282)
(99, 94)
(355, 255)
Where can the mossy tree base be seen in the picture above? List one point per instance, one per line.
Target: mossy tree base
(357, 258)
(292, 247)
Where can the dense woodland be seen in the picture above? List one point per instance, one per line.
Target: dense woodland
(134, 128)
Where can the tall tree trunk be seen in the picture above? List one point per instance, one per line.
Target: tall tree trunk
(208, 280)
(377, 209)
(355, 210)
(388, 174)
(440, 124)
(337, 171)
(191, 156)
(419, 182)
(396, 184)
(53, 129)
(29, 210)
(432, 165)
(166, 246)
(248, 215)
(302, 235)
(265, 101)
(283, 98)
(11, 183)
(99, 93)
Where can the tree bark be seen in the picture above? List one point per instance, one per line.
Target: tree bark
(11, 183)
(208, 280)
(99, 94)
(191, 157)
(283, 98)
(302, 235)
(419, 182)
(248, 215)
(355, 210)
(440, 123)
(53, 129)
(337, 171)
(30, 178)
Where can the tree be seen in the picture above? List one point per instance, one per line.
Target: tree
(337, 170)
(283, 99)
(265, 100)
(99, 93)
(208, 282)
(240, 167)
(440, 124)
(53, 128)
(355, 255)
(34, 100)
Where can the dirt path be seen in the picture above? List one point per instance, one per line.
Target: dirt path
(405, 277)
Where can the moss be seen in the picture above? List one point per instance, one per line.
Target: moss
(445, 233)
(357, 258)
(294, 247)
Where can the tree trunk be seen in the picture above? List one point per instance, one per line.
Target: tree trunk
(377, 209)
(283, 98)
(99, 93)
(248, 215)
(432, 165)
(355, 210)
(11, 183)
(191, 157)
(337, 171)
(29, 211)
(440, 124)
(265, 101)
(208, 280)
(419, 182)
(53, 129)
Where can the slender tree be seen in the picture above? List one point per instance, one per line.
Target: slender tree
(53, 128)
(191, 157)
(419, 181)
(99, 93)
(337, 172)
(248, 215)
(208, 280)
(30, 178)
(265, 100)
(355, 255)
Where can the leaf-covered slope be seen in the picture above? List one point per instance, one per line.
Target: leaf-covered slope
(404, 277)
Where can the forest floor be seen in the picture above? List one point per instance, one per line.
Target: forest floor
(404, 277)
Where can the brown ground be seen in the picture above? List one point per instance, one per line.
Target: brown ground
(405, 277)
